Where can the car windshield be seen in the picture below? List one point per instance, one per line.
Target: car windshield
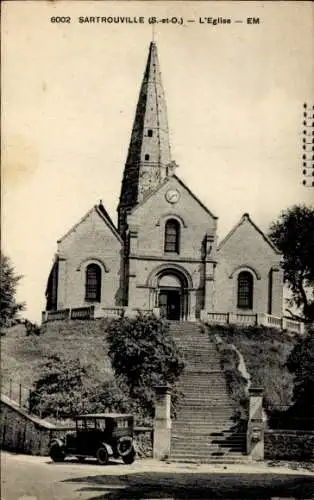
(123, 424)
(101, 423)
(85, 423)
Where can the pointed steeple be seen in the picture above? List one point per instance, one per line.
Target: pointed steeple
(149, 149)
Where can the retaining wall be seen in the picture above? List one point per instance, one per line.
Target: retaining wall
(22, 432)
(289, 445)
(25, 433)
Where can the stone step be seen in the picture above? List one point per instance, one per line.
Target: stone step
(181, 429)
(218, 421)
(205, 393)
(229, 459)
(218, 418)
(204, 403)
(206, 439)
(200, 363)
(197, 345)
(219, 389)
(197, 445)
(208, 401)
(205, 452)
(203, 410)
(203, 383)
(211, 373)
(200, 358)
(214, 433)
(204, 389)
(215, 423)
(194, 340)
(206, 413)
(203, 380)
(204, 456)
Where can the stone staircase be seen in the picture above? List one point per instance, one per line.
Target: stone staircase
(203, 430)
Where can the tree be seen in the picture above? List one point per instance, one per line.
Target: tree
(143, 355)
(293, 234)
(301, 363)
(9, 307)
(69, 386)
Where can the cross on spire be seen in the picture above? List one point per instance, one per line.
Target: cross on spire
(153, 32)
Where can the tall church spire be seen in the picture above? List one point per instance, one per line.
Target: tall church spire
(149, 149)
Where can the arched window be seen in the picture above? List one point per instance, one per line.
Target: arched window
(93, 283)
(172, 236)
(245, 290)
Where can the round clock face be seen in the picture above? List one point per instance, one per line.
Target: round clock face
(172, 196)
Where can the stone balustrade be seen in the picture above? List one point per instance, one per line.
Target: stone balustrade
(95, 312)
(217, 318)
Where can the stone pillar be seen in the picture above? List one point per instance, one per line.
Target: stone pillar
(156, 312)
(255, 430)
(209, 288)
(191, 298)
(261, 319)
(162, 423)
(132, 269)
(210, 263)
(62, 284)
(277, 291)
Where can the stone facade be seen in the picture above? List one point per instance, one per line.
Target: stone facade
(246, 248)
(93, 240)
(164, 253)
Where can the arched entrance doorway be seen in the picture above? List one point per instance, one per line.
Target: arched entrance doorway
(172, 295)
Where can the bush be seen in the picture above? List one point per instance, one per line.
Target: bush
(144, 355)
(31, 328)
(67, 388)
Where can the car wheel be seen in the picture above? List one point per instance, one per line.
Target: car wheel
(129, 459)
(124, 446)
(102, 456)
(57, 453)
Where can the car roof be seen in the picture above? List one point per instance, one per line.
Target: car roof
(104, 415)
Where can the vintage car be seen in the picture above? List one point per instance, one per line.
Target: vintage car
(101, 435)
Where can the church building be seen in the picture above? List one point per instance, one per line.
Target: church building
(163, 256)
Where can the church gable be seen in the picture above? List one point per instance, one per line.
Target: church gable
(247, 241)
(172, 201)
(248, 275)
(173, 196)
(96, 219)
(91, 246)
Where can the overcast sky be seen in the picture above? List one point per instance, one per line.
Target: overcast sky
(234, 94)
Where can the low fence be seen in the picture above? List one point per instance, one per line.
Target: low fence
(94, 312)
(17, 392)
(22, 396)
(253, 320)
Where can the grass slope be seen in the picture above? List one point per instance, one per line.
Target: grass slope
(265, 351)
(22, 356)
